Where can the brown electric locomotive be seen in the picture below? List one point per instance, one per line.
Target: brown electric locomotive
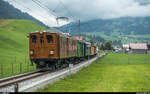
(54, 50)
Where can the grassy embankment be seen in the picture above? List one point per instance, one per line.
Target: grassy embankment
(15, 44)
(113, 73)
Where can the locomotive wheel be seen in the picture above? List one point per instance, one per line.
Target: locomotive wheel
(63, 65)
(53, 67)
(56, 67)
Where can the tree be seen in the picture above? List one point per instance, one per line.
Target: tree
(108, 46)
(102, 47)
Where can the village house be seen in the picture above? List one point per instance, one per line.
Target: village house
(138, 48)
(148, 45)
(125, 48)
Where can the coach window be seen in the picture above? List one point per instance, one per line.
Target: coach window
(34, 39)
(49, 38)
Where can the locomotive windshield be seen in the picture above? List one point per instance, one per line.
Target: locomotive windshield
(41, 39)
(49, 38)
(34, 39)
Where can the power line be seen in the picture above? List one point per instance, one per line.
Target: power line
(67, 10)
(40, 4)
(20, 4)
(58, 5)
(43, 6)
(71, 16)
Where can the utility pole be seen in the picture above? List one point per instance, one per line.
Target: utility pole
(79, 28)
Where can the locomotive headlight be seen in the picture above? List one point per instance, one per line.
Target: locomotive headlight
(51, 52)
(31, 52)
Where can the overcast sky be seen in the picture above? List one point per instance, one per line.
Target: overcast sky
(83, 9)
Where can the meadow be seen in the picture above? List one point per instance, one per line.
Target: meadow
(113, 73)
(14, 46)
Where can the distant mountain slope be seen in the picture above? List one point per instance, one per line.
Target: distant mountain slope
(7, 11)
(127, 29)
(143, 2)
(124, 25)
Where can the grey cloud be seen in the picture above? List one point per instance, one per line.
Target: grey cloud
(88, 9)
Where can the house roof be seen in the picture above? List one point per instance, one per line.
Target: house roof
(138, 46)
(79, 38)
(125, 46)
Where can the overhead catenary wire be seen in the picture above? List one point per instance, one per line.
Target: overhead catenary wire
(53, 12)
(41, 5)
(58, 5)
(41, 16)
(20, 4)
(47, 8)
(67, 10)
(71, 16)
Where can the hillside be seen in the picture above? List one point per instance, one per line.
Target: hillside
(143, 2)
(13, 35)
(7, 11)
(126, 29)
(14, 42)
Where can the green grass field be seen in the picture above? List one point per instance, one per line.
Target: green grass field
(15, 44)
(113, 73)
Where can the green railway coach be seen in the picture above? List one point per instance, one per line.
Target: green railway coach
(87, 48)
(80, 49)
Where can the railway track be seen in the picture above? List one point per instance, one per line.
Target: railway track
(15, 77)
(20, 78)
(13, 81)
(23, 77)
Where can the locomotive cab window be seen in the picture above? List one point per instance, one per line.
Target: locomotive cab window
(34, 39)
(49, 38)
(41, 39)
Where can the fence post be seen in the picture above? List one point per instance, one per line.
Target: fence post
(2, 70)
(20, 67)
(12, 68)
(16, 87)
(70, 68)
(15, 59)
(27, 66)
(97, 61)
(33, 67)
(25, 61)
(128, 60)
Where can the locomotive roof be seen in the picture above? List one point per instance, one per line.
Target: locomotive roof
(51, 30)
(62, 34)
(43, 31)
(88, 43)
